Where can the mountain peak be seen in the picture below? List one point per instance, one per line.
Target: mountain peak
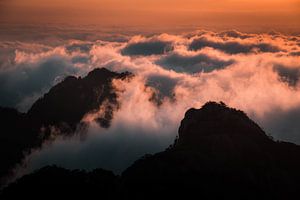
(218, 120)
(220, 154)
(101, 72)
(68, 101)
(62, 107)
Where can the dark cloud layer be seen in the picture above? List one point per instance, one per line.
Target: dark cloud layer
(82, 47)
(27, 81)
(164, 85)
(295, 53)
(80, 59)
(110, 150)
(288, 74)
(282, 125)
(147, 48)
(192, 63)
(232, 47)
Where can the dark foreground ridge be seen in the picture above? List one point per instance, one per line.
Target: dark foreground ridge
(62, 107)
(220, 154)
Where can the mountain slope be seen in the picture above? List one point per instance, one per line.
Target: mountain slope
(62, 107)
(17, 135)
(220, 153)
(56, 182)
(70, 100)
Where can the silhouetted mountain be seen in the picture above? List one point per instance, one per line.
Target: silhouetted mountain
(220, 154)
(67, 102)
(54, 182)
(62, 107)
(17, 135)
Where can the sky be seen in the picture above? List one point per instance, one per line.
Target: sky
(219, 14)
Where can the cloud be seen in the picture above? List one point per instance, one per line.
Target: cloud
(232, 47)
(80, 59)
(83, 47)
(290, 75)
(27, 70)
(283, 125)
(115, 150)
(163, 85)
(190, 63)
(235, 34)
(8, 51)
(146, 47)
(252, 72)
(22, 85)
(170, 52)
(295, 53)
(139, 127)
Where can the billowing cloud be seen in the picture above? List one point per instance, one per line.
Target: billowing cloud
(138, 128)
(252, 72)
(233, 47)
(164, 86)
(27, 70)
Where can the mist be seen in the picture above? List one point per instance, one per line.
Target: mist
(257, 77)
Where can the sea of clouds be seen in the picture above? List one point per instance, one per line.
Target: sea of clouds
(257, 73)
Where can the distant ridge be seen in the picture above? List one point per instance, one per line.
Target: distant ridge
(220, 154)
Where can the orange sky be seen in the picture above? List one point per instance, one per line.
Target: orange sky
(154, 12)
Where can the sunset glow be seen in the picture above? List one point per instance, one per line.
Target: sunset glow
(277, 14)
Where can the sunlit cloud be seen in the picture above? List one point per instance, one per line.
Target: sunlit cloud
(256, 73)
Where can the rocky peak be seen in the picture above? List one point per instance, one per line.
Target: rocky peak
(215, 121)
(68, 101)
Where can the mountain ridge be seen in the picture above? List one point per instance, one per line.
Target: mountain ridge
(235, 158)
(62, 107)
(213, 157)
